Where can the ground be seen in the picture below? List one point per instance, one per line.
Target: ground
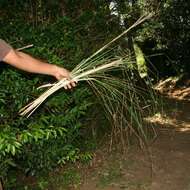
(165, 165)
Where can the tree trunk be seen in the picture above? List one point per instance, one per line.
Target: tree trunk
(1, 184)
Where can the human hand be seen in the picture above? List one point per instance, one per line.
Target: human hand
(61, 73)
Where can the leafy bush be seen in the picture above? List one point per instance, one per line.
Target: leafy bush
(50, 137)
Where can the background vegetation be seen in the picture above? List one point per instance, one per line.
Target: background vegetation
(64, 33)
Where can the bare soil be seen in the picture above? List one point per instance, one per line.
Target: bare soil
(166, 166)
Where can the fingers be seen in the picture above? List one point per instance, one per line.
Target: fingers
(71, 85)
(62, 73)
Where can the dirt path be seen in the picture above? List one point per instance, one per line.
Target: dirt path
(166, 166)
(171, 151)
(170, 158)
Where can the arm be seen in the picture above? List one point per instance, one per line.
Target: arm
(27, 63)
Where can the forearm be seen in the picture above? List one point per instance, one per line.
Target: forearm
(27, 63)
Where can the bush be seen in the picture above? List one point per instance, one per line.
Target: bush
(51, 136)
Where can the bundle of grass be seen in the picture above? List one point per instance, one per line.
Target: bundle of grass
(76, 76)
(123, 101)
(89, 69)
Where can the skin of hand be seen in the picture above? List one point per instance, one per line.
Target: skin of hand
(60, 73)
(27, 63)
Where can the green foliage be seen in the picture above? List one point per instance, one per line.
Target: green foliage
(49, 137)
(46, 138)
(64, 33)
(141, 63)
(53, 135)
(166, 37)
